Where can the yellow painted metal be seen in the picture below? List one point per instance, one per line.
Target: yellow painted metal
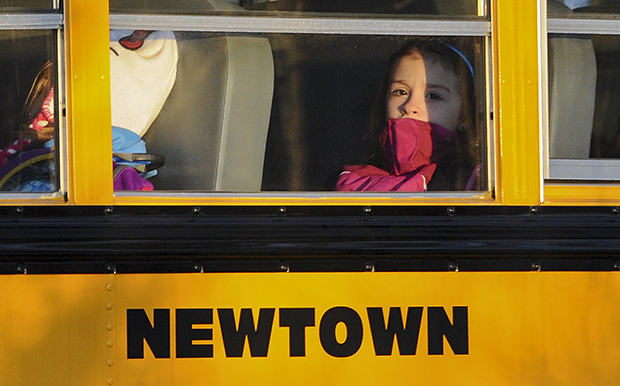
(88, 102)
(54, 330)
(516, 51)
(55, 198)
(528, 328)
(523, 328)
(177, 198)
(595, 194)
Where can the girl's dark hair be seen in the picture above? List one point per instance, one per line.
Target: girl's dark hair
(41, 88)
(454, 171)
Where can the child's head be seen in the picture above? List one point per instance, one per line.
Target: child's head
(429, 81)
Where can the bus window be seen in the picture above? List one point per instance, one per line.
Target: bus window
(202, 102)
(394, 7)
(328, 105)
(180, 7)
(584, 68)
(593, 6)
(28, 81)
(24, 5)
(242, 106)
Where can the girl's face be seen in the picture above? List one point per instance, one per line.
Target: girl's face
(424, 91)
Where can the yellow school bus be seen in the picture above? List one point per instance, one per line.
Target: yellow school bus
(211, 241)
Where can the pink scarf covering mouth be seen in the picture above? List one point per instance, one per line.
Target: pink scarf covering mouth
(409, 144)
(411, 149)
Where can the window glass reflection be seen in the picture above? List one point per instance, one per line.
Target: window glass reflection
(202, 101)
(25, 5)
(392, 7)
(584, 6)
(395, 7)
(330, 107)
(584, 87)
(277, 112)
(606, 123)
(27, 113)
(172, 7)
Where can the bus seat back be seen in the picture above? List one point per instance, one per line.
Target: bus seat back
(572, 90)
(212, 129)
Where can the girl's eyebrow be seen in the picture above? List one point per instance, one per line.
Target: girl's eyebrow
(401, 81)
(441, 86)
(428, 85)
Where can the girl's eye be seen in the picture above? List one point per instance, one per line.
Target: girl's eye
(433, 96)
(399, 92)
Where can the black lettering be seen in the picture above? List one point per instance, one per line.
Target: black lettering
(456, 333)
(327, 331)
(185, 319)
(407, 336)
(297, 319)
(234, 339)
(157, 336)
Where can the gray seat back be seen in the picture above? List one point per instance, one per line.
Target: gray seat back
(213, 127)
(572, 90)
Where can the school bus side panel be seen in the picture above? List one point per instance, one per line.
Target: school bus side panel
(535, 328)
(55, 330)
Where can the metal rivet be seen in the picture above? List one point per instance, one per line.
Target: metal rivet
(110, 362)
(110, 381)
(614, 210)
(19, 210)
(534, 210)
(284, 267)
(110, 343)
(535, 266)
(109, 286)
(617, 265)
(282, 209)
(109, 306)
(110, 268)
(453, 266)
(196, 210)
(369, 266)
(110, 326)
(108, 210)
(197, 267)
(367, 210)
(451, 211)
(21, 268)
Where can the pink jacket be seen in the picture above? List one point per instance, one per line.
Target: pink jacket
(412, 149)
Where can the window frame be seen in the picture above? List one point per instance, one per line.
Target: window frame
(578, 181)
(46, 19)
(89, 130)
(514, 138)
